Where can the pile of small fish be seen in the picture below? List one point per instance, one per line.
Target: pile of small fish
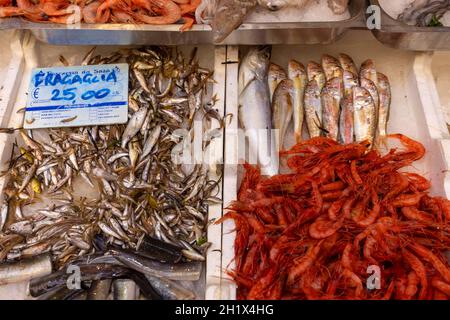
(132, 186)
(424, 13)
(230, 14)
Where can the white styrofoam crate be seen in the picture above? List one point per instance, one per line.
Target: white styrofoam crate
(29, 54)
(415, 112)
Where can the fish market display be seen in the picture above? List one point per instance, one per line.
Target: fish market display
(115, 194)
(346, 223)
(157, 12)
(334, 99)
(421, 13)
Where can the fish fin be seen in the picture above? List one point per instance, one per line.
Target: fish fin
(319, 124)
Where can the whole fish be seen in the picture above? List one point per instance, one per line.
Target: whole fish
(255, 113)
(25, 269)
(331, 67)
(315, 72)
(229, 15)
(151, 141)
(133, 126)
(364, 115)
(297, 73)
(348, 64)
(313, 109)
(178, 271)
(282, 106)
(346, 119)
(331, 100)
(384, 104)
(275, 76)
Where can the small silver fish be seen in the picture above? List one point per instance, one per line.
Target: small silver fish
(151, 141)
(133, 126)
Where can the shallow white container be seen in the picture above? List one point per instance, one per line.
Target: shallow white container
(29, 54)
(415, 112)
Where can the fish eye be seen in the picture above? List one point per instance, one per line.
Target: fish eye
(273, 7)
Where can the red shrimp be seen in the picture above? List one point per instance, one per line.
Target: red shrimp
(407, 200)
(10, 12)
(420, 270)
(441, 286)
(189, 7)
(373, 214)
(411, 287)
(261, 285)
(303, 263)
(355, 173)
(169, 12)
(333, 186)
(323, 227)
(413, 213)
(335, 208)
(355, 281)
(432, 259)
(389, 291)
(415, 150)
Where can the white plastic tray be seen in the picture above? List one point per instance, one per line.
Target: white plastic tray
(415, 112)
(30, 53)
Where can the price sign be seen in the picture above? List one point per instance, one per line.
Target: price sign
(77, 96)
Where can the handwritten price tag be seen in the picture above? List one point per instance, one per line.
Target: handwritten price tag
(77, 96)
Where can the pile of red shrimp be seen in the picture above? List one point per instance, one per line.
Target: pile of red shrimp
(155, 12)
(345, 224)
